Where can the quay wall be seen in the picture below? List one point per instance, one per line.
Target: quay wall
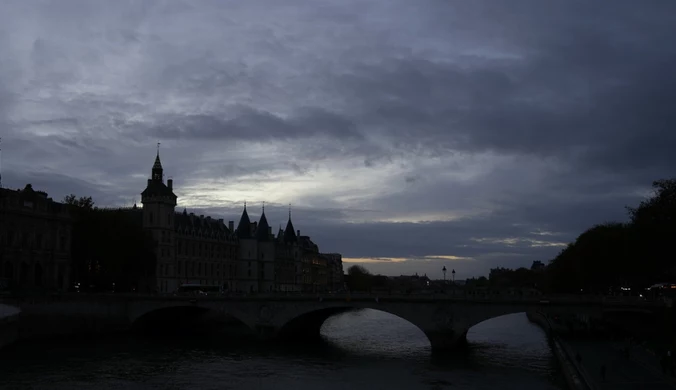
(574, 379)
(9, 324)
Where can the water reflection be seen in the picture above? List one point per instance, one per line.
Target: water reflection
(366, 349)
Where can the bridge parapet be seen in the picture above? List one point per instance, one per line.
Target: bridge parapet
(444, 318)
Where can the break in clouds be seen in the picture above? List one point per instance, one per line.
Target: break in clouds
(406, 134)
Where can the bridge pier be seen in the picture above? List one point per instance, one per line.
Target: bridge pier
(444, 341)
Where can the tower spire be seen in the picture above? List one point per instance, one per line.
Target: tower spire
(263, 207)
(289, 211)
(157, 171)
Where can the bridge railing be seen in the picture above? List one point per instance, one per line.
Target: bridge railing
(488, 298)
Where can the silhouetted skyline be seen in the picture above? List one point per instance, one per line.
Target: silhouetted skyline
(510, 127)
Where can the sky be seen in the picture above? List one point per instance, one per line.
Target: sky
(406, 135)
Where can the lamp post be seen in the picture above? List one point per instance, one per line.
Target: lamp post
(453, 275)
(444, 271)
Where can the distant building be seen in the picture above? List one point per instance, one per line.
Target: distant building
(35, 234)
(334, 270)
(410, 282)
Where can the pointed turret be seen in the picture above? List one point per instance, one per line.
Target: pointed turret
(289, 233)
(280, 233)
(156, 186)
(244, 226)
(263, 229)
(157, 167)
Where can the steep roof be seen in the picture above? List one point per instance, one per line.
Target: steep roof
(262, 231)
(244, 226)
(157, 188)
(157, 164)
(185, 221)
(290, 232)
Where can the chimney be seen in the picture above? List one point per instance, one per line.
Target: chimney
(208, 218)
(201, 216)
(220, 221)
(298, 232)
(149, 181)
(170, 184)
(231, 226)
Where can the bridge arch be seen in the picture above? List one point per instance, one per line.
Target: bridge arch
(187, 315)
(436, 323)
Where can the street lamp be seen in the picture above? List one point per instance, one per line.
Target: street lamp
(453, 274)
(444, 271)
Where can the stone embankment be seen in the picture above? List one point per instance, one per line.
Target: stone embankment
(573, 376)
(9, 324)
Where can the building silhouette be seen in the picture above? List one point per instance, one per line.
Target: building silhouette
(35, 234)
(35, 245)
(250, 258)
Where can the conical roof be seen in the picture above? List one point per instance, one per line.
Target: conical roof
(157, 164)
(244, 226)
(262, 231)
(290, 232)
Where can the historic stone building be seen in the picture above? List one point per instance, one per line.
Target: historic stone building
(35, 234)
(202, 250)
(189, 249)
(334, 271)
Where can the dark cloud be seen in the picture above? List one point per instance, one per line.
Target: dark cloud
(248, 123)
(507, 128)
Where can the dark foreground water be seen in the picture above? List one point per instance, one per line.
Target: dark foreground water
(363, 350)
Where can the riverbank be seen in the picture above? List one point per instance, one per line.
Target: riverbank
(602, 363)
(9, 324)
(571, 374)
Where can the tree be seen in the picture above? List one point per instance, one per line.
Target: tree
(358, 270)
(359, 278)
(82, 202)
(612, 255)
(110, 246)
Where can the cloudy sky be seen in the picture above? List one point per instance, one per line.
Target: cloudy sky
(407, 135)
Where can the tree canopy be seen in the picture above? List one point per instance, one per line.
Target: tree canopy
(634, 254)
(110, 246)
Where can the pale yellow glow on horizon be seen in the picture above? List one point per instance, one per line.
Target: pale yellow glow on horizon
(515, 240)
(374, 259)
(449, 257)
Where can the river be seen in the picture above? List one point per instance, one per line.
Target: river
(363, 350)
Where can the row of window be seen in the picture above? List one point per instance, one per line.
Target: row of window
(26, 240)
(210, 250)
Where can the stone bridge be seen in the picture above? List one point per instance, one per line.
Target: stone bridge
(444, 319)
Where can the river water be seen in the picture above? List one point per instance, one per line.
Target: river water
(363, 350)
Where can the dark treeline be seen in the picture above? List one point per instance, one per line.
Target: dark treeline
(109, 248)
(634, 254)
